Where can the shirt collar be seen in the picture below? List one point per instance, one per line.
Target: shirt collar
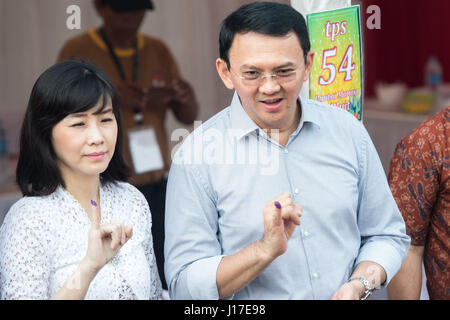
(121, 53)
(309, 112)
(242, 124)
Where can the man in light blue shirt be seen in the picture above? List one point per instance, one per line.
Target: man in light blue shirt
(278, 197)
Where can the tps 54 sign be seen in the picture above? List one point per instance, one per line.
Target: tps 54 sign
(336, 75)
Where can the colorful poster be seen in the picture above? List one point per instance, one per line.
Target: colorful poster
(336, 75)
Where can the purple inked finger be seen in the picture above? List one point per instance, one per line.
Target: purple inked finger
(277, 204)
(94, 203)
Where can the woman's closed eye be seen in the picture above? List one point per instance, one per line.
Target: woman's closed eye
(80, 124)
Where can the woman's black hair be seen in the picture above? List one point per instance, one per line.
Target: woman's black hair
(269, 18)
(65, 88)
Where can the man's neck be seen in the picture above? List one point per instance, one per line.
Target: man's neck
(282, 134)
(119, 40)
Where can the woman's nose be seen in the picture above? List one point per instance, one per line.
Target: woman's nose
(95, 135)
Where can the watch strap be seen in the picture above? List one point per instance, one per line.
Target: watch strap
(367, 288)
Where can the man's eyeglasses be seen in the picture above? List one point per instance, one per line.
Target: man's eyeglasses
(256, 78)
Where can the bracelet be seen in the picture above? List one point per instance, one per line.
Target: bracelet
(367, 289)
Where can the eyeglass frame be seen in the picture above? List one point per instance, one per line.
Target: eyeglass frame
(259, 80)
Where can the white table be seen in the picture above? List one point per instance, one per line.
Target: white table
(386, 128)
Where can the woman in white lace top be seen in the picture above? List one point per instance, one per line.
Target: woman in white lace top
(80, 231)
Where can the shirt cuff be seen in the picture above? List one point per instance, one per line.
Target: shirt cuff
(201, 278)
(385, 255)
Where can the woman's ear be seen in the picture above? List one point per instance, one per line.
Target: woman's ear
(224, 73)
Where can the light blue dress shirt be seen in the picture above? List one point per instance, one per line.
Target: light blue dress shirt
(226, 171)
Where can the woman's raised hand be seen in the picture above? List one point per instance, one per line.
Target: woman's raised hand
(105, 241)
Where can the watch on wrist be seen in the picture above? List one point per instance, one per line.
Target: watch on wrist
(367, 288)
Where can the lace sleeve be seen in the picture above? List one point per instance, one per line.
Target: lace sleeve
(156, 287)
(24, 254)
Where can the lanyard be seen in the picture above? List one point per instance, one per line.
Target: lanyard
(116, 59)
(138, 116)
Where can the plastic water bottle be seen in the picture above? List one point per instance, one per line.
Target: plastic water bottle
(433, 73)
(3, 155)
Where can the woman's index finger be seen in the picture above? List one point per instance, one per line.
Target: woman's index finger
(96, 218)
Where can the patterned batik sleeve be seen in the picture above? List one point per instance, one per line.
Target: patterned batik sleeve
(414, 182)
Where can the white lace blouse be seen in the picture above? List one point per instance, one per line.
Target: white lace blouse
(43, 239)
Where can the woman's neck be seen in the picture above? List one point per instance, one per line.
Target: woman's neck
(84, 189)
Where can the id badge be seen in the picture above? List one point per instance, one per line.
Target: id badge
(144, 150)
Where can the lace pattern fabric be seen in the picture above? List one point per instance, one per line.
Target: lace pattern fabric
(43, 239)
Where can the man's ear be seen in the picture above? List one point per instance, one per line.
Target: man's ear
(308, 64)
(224, 73)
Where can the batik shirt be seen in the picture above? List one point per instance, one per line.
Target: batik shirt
(420, 182)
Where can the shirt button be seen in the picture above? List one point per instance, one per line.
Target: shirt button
(315, 275)
(306, 233)
(286, 151)
(296, 191)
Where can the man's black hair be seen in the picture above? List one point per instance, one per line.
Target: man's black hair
(269, 18)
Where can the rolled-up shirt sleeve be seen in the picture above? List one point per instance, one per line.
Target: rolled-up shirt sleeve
(192, 249)
(383, 233)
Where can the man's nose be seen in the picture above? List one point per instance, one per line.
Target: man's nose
(269, 84)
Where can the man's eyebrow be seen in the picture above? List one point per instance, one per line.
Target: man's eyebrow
(249, 66)
(287, 64)
(252, 67)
